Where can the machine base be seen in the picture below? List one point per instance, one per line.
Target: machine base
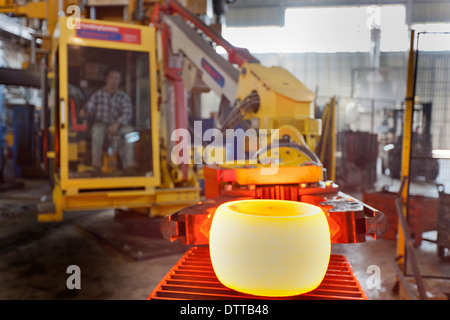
(193, 278)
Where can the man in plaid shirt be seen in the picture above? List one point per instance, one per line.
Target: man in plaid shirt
(111, 111)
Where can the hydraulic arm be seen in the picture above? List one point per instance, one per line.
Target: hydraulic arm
(258, 97)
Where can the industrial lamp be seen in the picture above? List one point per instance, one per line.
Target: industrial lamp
(270, 247)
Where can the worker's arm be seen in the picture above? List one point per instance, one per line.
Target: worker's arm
(127, 111)
(91, 105)
(125, 117)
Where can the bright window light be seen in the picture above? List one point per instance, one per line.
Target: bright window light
(437, 38)
(344, 29)
(328, 29)
(394, 31)
(443, 154)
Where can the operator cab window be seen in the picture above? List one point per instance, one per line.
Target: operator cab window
(109, 113)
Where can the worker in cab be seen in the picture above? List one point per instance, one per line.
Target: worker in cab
(110, 110)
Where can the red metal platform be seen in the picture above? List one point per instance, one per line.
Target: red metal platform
(193, 278)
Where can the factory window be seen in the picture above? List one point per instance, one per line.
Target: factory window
(437, 37)
(343, 29)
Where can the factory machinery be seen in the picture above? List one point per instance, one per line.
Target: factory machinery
(159, 64)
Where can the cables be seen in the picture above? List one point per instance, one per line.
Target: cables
(250, 104)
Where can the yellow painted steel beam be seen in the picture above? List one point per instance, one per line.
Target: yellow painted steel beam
(160, 201)
(406, 149)
(7, 8)
(30, 9)
(57, 215)
(327, 147)
(6, 3)
(333, 139)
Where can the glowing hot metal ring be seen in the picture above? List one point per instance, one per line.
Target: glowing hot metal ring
(270, 247)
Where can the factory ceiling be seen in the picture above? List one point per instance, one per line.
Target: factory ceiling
(271, 12)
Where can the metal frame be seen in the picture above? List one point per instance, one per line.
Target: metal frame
(68, 37)
(193, 278)
(406, 150)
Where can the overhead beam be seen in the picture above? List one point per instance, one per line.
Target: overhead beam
(271, 12)
(19, 77)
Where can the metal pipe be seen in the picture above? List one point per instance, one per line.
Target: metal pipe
(45, 121)
(33, 52)
(410, 250)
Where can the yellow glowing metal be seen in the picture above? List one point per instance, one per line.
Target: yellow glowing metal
(270, 247)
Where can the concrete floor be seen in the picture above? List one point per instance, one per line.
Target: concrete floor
(114, 262)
